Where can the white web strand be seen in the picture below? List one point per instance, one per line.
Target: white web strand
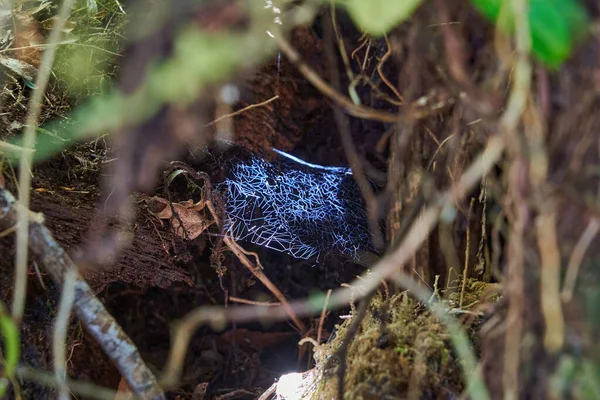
(294, 207)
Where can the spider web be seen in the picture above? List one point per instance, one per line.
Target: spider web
(295, 207)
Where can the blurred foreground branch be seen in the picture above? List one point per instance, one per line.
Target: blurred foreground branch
(26, 157)
(90, 311)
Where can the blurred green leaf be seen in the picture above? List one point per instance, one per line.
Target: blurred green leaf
(200, 59)
(12, 346)
(556, 26)
(589, 379)
(377, 17)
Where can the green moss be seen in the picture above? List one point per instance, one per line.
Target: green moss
(405, 353)
(415, 355)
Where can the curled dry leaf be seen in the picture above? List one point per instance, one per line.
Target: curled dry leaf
(187, 221)
(200, 391)
(124, 392)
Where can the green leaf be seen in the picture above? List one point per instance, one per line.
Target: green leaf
(11, 341)
(557, 26)
(377, 17)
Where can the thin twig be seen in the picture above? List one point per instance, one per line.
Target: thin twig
(365, 41)
(8, 230)
(347, 105)
(439, 149)
(340, 40)
(233, 394)
(243, 110)
(256, 303)
(382, 75)
(258, 273)
(467, 250)
(454, 46)
(71, 42)
(522, 71)
(309, 340)
(587, 237)
(323, 314)
(61, 327)
(25, 161)
(342, 352)
(271, 390)
(87, 390)
(350, 149)
(90, 311)
(546, 221)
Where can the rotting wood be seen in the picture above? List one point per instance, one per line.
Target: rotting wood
(91, 312)
(150, 261)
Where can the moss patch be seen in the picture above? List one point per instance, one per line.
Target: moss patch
(402, 353)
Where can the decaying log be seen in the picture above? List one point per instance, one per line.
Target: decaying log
(90, 311)
(149, 261)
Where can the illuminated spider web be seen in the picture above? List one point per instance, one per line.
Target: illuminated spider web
(295, 207)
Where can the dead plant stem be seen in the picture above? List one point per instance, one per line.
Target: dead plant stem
(515, 293)
(88, 390)
(467, 249)
(384, 79)
(517, 102)
(26, 158)
(61, 326)
(554, 334)
(243, 110)
(323, 314)
(341, 354)
(256, 303)
(347, 105)
(587, 237)
(545, 223)
(258, 273)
